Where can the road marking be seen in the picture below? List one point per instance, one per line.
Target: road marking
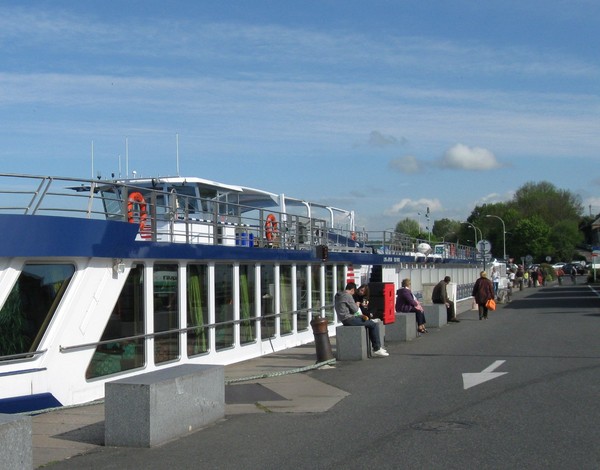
(471, 379)
(594, 291)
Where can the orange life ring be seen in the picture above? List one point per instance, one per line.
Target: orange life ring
(136, 198)
(353, 235)
(270, 227)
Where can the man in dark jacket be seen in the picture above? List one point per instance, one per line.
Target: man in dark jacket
(440, 296)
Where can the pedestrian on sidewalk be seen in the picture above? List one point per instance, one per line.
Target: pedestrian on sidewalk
(573, 274)
(483, 290)
(349, 313)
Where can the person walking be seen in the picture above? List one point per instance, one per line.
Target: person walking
(573, 274)
(407, 302)
(495, 280)
(483, 290)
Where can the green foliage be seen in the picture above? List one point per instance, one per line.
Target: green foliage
(532, 237)
(547, 202)
(409, 227)
(541, 220)
(564, 236)
(446, 229)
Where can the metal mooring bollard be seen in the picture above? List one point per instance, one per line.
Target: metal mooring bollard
(321, 334)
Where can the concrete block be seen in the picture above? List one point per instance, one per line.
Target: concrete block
(150, 409)
(403, 329)
(435, 315)
(15, 442)
(351, 343)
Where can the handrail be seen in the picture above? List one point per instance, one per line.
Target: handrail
(25, 355)
(77, 347)
(211, 221)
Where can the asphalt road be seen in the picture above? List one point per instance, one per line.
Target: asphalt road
(540, 408)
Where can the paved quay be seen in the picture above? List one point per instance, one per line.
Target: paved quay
(274, 383)
(271, 383)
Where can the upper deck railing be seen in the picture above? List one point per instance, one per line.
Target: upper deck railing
(167, 216)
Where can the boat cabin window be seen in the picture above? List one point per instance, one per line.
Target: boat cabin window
(186, 199)
(166, 313)
(113, 206)
(118, 351)
(30, 306)
(228, 207)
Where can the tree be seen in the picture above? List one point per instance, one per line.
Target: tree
(532, 237)
(547, 202)
(561, 239)
(408, 227)
(541, 220)
(446, 229)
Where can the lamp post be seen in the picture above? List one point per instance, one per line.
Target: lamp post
(475, 232)
(444, 237)
(503, 233)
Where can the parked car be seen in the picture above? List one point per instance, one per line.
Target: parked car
(558, 265)
(567, 268)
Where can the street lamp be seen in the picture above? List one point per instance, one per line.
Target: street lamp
(444, 237)
(503, 232)
(475, 231)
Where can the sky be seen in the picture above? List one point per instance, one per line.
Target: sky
(384, 107)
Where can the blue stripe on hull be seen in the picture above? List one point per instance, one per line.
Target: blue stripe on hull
(27, 403)
(47, 236)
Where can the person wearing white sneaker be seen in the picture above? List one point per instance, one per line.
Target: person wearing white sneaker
(380, 353)
(349, 313)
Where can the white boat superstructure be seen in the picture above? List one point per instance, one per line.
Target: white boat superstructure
(104, 279)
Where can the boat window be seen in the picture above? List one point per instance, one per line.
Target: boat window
(187, 201)
(302, 295)
(30, 306)
(224, 305)
(125, 321)
(166, 313)
(247, 304)
(113, 206)
(197, 309)
(228, 207)
(329, 291)
(286, 305)
(315, 289)
(267, 300)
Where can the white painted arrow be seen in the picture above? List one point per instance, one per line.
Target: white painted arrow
(476, 378)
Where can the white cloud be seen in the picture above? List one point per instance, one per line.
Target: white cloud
(493, 198)
(408, 206)
(462, 157)
(407, 164)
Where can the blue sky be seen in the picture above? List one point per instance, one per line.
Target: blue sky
(384, 107)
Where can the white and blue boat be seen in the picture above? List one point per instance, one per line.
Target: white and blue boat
(105, 279)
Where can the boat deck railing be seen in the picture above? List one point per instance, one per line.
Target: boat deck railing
(179, 218)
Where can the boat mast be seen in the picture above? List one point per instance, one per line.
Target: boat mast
(177, 151)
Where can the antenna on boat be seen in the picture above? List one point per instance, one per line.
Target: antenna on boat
(177, 151)
(126, 157)
(92, 160)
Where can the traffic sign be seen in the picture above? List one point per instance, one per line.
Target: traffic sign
(484, 246)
